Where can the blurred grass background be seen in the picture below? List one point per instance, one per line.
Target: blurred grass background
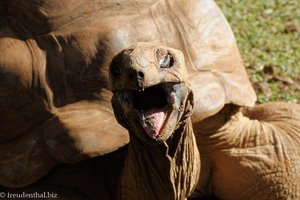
(268, 36)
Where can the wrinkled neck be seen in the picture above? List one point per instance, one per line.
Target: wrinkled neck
(165, 171)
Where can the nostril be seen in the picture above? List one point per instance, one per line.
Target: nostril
(140, 75)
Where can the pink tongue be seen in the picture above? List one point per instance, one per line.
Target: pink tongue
(152, 121)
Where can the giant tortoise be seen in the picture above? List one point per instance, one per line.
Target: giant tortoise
(58, 131)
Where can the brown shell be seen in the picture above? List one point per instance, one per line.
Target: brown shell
(54, 92)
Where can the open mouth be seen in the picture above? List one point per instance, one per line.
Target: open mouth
(154, 111)
(152, 97)
(152, 107)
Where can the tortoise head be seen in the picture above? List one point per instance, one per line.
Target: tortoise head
(151, 95)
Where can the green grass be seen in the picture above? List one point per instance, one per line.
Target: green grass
(268, 36)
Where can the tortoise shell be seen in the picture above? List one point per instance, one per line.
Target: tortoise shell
(54, 91)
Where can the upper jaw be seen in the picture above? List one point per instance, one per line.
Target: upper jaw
(154, 111)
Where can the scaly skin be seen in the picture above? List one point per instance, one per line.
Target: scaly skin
(251, 153)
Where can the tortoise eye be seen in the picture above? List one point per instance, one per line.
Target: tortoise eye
(166, 61)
